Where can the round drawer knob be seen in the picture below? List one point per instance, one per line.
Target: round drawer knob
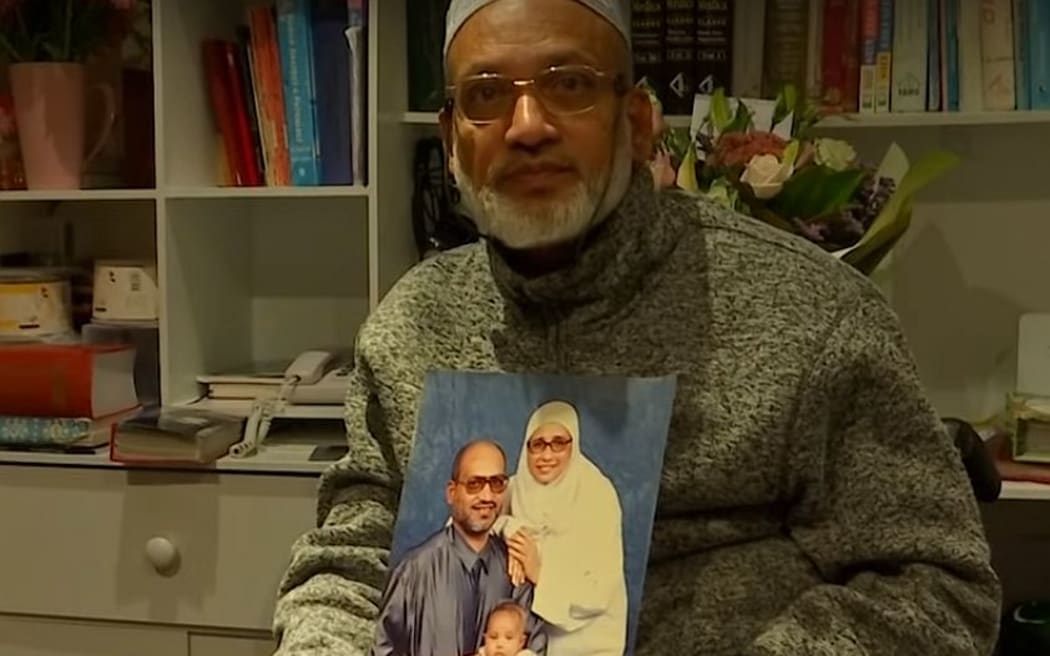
(162, 554)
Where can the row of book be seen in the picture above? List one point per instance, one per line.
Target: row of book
(81, 398)
(289, 95)
(865, 56)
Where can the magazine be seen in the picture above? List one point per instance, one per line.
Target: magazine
(525, 519)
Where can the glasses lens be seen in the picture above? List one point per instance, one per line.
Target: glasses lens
(569, 89)
(485, 98)
(477, 484)
(557, 445)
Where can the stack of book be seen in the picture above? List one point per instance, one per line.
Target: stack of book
(64, 396)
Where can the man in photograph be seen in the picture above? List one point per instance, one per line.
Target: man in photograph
(441, 592)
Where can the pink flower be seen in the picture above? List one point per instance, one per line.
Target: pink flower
(737, 148)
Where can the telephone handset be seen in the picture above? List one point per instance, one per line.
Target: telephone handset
(313, 378)
(309, 366)
(316, 378)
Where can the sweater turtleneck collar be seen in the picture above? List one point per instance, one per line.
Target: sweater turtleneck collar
(611, 265)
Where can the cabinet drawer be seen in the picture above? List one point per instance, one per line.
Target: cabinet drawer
(46, 637)
(202, 644)
(75, 543)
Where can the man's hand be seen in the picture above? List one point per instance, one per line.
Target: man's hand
(523, 548)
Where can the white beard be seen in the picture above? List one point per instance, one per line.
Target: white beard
(545, 223)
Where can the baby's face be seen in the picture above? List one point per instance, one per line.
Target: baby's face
(505, 635)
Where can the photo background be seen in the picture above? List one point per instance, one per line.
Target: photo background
(623, 431)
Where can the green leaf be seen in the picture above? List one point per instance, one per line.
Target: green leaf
(791, 152)
(815, 191)
(741, 120)
(720, 113)
(787, 100)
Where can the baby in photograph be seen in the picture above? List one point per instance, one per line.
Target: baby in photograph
(505, 632)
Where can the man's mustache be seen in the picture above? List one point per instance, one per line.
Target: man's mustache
(516, 167)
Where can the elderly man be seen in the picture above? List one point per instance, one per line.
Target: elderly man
(441, 592)
(811, 501)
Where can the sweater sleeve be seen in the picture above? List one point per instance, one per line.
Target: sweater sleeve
(882, 508)
(328, 599)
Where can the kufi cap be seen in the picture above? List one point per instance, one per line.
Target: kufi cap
(611, 10)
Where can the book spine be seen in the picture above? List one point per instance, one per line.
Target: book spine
(239, 105)
(714, 46)
(331, 56)
(969, 39)
(293, 36)
(833, 64)
(1039, 54)
(43, 430)
(997, 55)
(1022, 44)
(357, 33)
(680, 55)
(786, 46)
(46, 383)
(222, 110)
(933, 57)
(814, 52)
(910, 39)
(869, 37)
(749, 18)
(950, 55)
(884, 57)
(647, 33)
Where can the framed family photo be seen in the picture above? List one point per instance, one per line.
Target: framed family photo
(525, 519)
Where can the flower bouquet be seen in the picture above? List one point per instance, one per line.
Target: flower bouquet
(759, 157)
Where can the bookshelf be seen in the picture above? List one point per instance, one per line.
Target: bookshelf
(245, 273)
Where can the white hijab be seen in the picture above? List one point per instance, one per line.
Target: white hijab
(554, 508)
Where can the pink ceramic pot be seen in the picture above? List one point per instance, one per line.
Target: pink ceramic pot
(49, 111)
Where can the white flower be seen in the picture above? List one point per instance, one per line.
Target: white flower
(766, 175)
(835, 154)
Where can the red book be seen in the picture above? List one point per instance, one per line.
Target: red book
(66, 380)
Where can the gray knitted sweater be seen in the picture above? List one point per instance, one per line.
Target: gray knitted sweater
(810, 501)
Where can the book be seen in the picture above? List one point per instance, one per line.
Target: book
(527, 511)
(67, 380)
(62, 433)
(167, 435)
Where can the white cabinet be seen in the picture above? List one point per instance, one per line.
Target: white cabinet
(22, 636)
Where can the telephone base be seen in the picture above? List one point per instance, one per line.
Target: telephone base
(261, 414)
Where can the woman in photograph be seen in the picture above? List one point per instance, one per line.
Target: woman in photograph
(564, 535)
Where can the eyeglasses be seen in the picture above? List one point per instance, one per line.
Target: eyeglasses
(563, 91)
(557, 445)
(476, 484)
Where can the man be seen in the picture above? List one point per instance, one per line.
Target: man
(811, 501)
(439, 596)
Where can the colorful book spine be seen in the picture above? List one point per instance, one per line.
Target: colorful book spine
(714, 47)
(293, 36)
(910, 44)
(1039, 54)
(869, 41)
(997, 55)
(49, 431)
(884, 57)
(331, 56)
(933, 56)
(950, 54)
(1022, 81)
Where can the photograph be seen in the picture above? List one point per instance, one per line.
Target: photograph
(526, 516)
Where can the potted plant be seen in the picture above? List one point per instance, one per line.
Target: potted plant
(47, 43)
(760, 157)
